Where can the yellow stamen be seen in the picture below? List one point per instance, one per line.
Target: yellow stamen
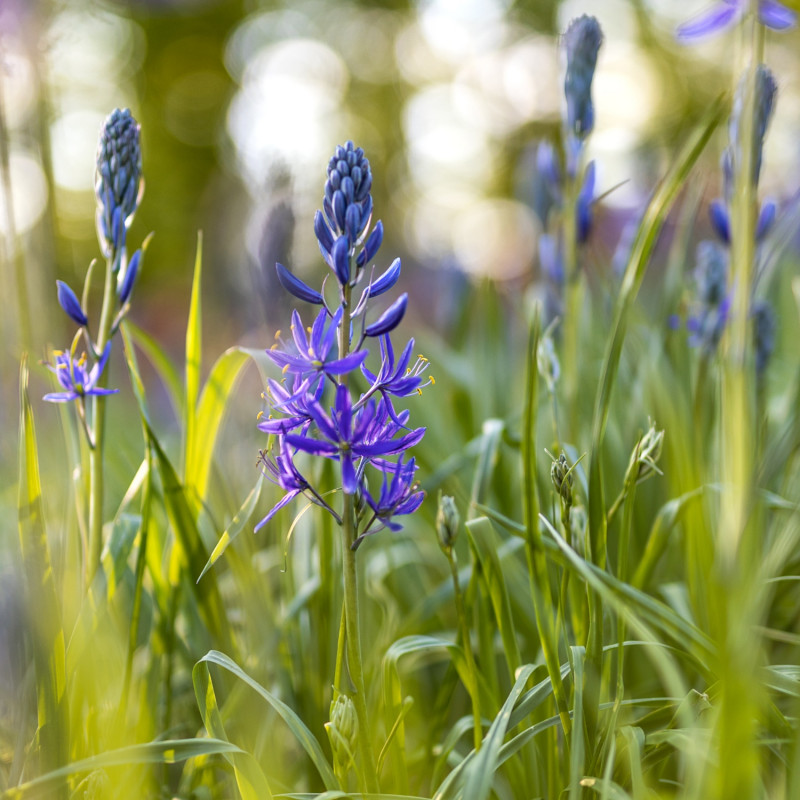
(259, 415)
(277, 334)
(274, 347)
(285, 369)
(432, 380)
(419, 392)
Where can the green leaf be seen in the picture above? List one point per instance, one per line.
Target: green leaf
(41, 600)
(643, 245)
(158, 359)
(298, 728)
(168, 751)
(249, 776)
(476, 773)
(210, 604)
(577, 750)
(194, 357)
(236, 526)
(486, 544)
(216, 392)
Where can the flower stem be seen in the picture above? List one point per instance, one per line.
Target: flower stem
(470, 659)
(350, 575)
(98, 431)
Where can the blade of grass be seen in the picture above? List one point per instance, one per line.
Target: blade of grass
(250, 779)
(168, 751)
(298, 728)
(194, 359)
(41, 599)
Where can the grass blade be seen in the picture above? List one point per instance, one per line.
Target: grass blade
(249, 776)
(41, 601)
(168, 751)
(194, 357)
(298, 728)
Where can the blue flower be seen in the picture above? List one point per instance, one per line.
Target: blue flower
(282, 472)
(314, 354)
(728, 13)
(398, 380)
(398, 496)
(349, 434)
(296, 404)
(74, 378)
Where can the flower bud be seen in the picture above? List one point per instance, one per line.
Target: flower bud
(582, 41)
(645, 456)
(547, 360)
(764, 326)
(118, 179)
(561, 476)
(448, 521)
(68, 300)
(343, 730)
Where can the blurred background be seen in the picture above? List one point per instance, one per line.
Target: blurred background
(241, 103)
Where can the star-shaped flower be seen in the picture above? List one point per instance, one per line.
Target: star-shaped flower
(727, 13)
(76, 380)
(314, 353)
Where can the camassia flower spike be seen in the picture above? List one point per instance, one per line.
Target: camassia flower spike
(316, 409)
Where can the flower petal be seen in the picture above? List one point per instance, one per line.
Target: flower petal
(285, 500)
(387, 280)
(68, 300)
(776, 15)
(60, 397)
(390, 318)
(717, 19)
(295, 286)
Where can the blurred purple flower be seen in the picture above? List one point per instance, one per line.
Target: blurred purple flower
(727, 13)
(282, 472)
(398, 496)
(75, 379)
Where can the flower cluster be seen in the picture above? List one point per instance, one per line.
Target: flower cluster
(118, 187)
(316, 408)
(713, 293)
(571, 190)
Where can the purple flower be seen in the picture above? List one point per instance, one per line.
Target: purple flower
(313, 354)
(282, 472)
(74, 378)
(296, 405)
(398, 380)
(727, 13)
(398, 496)
(365, 433)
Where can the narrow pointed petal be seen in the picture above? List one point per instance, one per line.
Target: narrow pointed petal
(341, 259)
(387, 280)
(68, 300)
(323, 232)
(390, 318)
(296, 287)
(131, 273)
(776, 15)
(349, 479)
(765, 219)
(716, 19)
(285, 500)
(313, 446)
(719, 220)
(299, 335)
(346, 364)
(371, 246)
(60, 397)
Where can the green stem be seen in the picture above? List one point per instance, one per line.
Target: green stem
(537, 563)
(354, 662)
(351, 628)
(573, 298)
(98, 431)
(470, 659)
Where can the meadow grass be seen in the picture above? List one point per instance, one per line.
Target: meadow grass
(616, 619)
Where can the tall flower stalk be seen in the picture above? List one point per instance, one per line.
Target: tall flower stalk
(323, 412)
(118, 187)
